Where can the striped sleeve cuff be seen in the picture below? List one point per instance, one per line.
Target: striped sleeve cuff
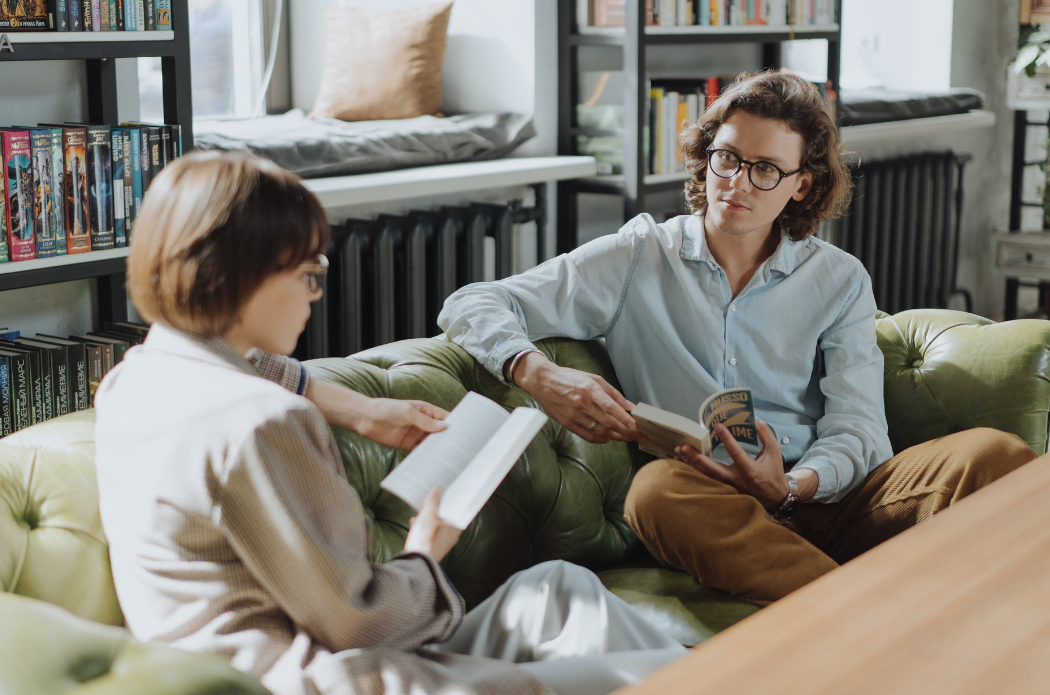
(281, 370)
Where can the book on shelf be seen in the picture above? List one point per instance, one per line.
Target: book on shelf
(45, 199)
(76, 359)
(120, 226)
(77, 201)
(163, 15)
(76, 15)
(131, 17)
(18, 194)
(140, 13)
(54, 363)
(35, 378)
(25, 15)
(61, 18)
(100, 186)
(127, 187)
(467, 460)
(151, 17)
(682, 13)
(5, 254)
(665, 430)
(103, 14)
(137, 188)
(6, 397)
(21, 388)
(120, 345)
(120, 14)
(58, 189)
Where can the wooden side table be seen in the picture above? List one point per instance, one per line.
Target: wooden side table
(958, 605)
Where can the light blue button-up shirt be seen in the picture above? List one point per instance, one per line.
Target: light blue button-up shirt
(800, 335)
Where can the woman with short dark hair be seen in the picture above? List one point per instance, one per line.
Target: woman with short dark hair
(231, 524)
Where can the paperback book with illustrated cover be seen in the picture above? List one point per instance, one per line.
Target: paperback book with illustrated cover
(24, 14)
(44, 200)
(18, 194)
(100, 186)
(78, 234)
(467, 460)
(665, 430)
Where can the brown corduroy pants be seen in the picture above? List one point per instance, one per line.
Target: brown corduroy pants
(727, 541)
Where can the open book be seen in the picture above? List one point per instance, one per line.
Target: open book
(467, 460)
(666, 430)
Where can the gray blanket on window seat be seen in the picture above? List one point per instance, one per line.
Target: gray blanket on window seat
(329, 147)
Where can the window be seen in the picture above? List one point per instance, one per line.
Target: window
(226, 53)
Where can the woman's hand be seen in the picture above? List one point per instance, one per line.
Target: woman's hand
(387, 421)
(427, 533)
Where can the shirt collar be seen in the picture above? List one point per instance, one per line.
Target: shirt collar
(214, 349)
(785, 259)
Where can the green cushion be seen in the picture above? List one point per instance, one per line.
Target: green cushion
(45, 650)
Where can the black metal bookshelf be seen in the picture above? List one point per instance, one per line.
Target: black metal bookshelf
(632, 41)
(100, 50)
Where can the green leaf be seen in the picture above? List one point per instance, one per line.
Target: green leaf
(1038, 37)
(1025, 57)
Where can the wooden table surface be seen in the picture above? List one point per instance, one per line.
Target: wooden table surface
(959, 604)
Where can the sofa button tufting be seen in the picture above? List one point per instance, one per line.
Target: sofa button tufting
(916, 363)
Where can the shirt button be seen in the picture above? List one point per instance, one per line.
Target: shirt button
(732, 361)
(732, 307)
(785, 440)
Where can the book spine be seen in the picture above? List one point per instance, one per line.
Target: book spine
(5, 252)
(129, 195)
(86, 13)
(6, 397)
(176, 140)
(79, 381)
(147, 170)
(163, 15)
(36, 386)
(62, 14)
(136, 170)
(121, 15)
(78, 234)
(58, 187)
(165, 146)
(120, 229)
(21, 392)
(112, 15)
(95, 371)
(100, 183)
(103, 15)
(96, 16)
(62, 381)
(151, 15)
(129, 15)
(18, 193)
(76, 15)
(43, 203)
(140, 16)
(47, 385)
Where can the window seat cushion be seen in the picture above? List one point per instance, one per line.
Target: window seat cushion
(864, 106)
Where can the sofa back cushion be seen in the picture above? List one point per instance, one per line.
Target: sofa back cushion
(51, 542)
(563, 500)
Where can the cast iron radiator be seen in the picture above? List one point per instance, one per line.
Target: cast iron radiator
(903, 225)
(389, 277)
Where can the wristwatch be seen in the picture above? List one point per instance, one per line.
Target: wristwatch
(789, 506)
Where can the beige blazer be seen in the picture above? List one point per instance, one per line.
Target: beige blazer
(233, 530)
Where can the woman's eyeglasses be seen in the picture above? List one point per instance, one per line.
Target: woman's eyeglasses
(315, 272)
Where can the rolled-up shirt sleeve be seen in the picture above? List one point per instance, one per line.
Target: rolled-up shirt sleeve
(574, 295)
(852, 435)
(283, 371)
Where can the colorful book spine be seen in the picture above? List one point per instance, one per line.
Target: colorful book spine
(43, 200)
(136, 171)
(21, 390)
(58, 188)
(96, 16)
(147, 169)
(151, 15)
(129, 195)
(78, 230)
(130, 18)
(103, 16)
(156, 147)
(18, 194)
(100, 187)
(5, 252)
(163, 15)
(120, 228)
(121, 15)
(111, 15)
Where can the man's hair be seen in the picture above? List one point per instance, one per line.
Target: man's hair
(785, 97)
(213, 227)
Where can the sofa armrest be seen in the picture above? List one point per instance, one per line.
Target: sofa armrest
(947, 371)
(45, 650)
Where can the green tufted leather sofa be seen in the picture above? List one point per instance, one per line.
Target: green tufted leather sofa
(945, 371)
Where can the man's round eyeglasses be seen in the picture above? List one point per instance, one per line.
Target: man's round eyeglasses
(315, 272)
(765, 176)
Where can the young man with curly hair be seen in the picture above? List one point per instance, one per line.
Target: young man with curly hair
(737, 294)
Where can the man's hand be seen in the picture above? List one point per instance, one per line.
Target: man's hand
(427, 533)
(576, 399)
(387, 421)
(763, 477)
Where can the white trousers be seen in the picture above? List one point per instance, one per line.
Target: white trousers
(559, 623)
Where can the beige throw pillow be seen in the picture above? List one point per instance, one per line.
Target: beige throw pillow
(382, 64)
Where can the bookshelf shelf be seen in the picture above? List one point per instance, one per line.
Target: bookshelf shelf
(53, 45)
(632, 43)
(46, 271)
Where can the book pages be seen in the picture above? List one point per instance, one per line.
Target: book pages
(442, 456)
